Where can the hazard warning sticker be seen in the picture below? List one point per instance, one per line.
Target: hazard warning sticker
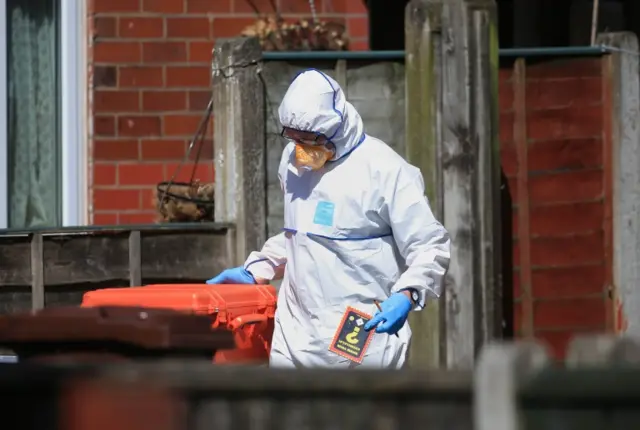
(351, 340)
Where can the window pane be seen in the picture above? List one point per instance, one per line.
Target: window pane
(33, 120)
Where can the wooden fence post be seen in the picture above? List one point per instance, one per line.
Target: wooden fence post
(622, 102)
(470, 158)
(135, 259)
(423, 95)
(239, 142)
(502, 369)
(452, 136)
(37, 272)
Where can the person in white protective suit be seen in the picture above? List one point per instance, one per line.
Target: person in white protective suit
(358, 230)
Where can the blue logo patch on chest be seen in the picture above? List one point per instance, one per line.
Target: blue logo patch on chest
(324, 213)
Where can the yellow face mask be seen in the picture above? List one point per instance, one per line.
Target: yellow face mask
(312, 157)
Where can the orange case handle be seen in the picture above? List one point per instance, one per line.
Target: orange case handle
(243, 320)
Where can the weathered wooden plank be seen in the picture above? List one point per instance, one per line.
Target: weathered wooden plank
(184, 256)
(15, 257)
(86, 258)
(201, 377)
(483, 22)
(327, 412)
(459, 155)
(470, 159)
(103, 257)
(524, 233)
(423, 133)
(37, 272)
(15, 299)
(451, 114)
(238, 398)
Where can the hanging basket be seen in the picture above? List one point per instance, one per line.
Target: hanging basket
(185, 202)
(188, 201)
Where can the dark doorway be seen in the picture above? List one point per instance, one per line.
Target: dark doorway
(386, 24)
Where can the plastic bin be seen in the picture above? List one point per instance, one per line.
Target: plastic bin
(246, 310)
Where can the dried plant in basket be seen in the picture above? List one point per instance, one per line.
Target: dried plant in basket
(275, 34)
(185, 202)
(188, 201)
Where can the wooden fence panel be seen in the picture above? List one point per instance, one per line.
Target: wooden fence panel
(55, 267)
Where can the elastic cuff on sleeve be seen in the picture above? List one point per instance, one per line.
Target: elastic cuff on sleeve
(261, 268)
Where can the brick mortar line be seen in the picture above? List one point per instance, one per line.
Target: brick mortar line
(568, 328)
(558, 237)
(157, 64)
(125, 138)
(563, 79)
(181, 64)
(178, 39)
(567, 298)
(140, 89)
(133, 115)
(158, 39)
(163, 162)
(225, 15)
(130, 211)
(143, 139)
(581, 265)
(568, 236)
(560, 140)
(594, 168)
(135, 163)
(541, 172)
(185, 113)
(591, 263)
(151, 187)
(571, 203)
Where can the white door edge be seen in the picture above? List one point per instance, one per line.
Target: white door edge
(73, 39)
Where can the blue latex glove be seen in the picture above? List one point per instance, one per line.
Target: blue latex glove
(236, 275)
(395, 311)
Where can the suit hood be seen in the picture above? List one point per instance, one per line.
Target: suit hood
(316, 103)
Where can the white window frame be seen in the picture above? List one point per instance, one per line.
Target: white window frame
(74, 118)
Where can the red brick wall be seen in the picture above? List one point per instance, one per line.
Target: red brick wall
(149, 68)
(553, 145)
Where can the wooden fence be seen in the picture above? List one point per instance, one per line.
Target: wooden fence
(514, 387)
(55, 267)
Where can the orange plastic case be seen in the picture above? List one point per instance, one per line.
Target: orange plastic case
(247, 310)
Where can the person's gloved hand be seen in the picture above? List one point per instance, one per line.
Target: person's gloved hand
(395, 311)
(236, 275)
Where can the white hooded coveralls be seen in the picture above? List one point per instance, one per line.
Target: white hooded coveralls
(357, 230)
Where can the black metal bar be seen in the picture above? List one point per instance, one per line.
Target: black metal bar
(399, 55)
(169, 227)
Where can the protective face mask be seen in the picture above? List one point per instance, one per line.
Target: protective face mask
(312, 157)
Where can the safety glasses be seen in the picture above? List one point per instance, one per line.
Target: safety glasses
(304, 137)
